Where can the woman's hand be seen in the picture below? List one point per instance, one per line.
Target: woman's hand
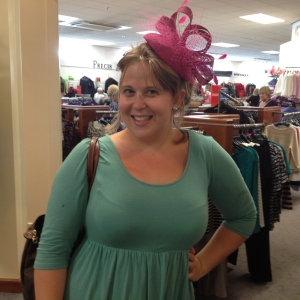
(195, 266)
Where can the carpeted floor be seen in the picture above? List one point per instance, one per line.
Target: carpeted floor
(285, 260)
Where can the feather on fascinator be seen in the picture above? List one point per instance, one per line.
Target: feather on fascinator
(181, 51)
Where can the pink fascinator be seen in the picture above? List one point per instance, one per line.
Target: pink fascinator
(181, 51)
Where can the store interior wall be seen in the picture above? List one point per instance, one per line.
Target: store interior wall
(76, 60)
(289, 52)
(30, 121)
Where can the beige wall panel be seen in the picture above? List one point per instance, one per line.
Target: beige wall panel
(30, 124)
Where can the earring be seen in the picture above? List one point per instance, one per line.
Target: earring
(174, 108)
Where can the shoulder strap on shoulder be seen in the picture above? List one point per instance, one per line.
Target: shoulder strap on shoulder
(92, 163)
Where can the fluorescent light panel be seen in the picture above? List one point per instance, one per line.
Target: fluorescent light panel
(146, 32)
(262, 19)
(271, 52)
(225, 45)
(123, 27)
(62, 18)
(100, 43)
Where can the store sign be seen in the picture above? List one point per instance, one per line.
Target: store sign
(240, 75)
(296, 31)
(97, 65)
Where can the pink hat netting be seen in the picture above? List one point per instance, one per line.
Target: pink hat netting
(186, 52)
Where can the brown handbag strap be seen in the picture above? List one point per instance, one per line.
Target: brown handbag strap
(92, 163)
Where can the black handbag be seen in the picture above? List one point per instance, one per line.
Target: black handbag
(34, 231)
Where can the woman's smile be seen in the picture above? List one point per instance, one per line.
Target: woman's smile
(141, 120)
(146, 108)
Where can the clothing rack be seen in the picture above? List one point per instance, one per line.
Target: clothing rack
(248, 126)
(106, 112)
(219, 126)
(264, 114)
(287, 114)
(194, 128)
(227, 96)
(223, 130)
(189, 111)
(223, 127)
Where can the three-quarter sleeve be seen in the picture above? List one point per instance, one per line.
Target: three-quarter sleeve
(66, 210)
(230, 194)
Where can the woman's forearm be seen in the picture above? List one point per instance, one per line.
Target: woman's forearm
(220, 246)
(49, 284)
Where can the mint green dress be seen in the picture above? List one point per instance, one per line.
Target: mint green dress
(138, 235)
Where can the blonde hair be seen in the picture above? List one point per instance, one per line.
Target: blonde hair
(112, 90)
(166, 76)
(265, 90)
(255, 92)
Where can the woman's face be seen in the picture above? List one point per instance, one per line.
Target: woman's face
(264, 97)
(114, 97)
(145, 107)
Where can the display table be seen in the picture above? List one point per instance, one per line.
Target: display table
(86, 114)
(264, 114)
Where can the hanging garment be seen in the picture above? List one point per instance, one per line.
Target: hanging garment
(279, 178)
(109, 82)
(227, 109)
(63, 86)
(87, 86)
(286, 196)
(250, 88)
(258, 245)
(287, 137)
(69, 137)
(296, 85)
(96, 129)
(248, 162)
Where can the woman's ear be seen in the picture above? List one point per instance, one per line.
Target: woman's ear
(180, 98)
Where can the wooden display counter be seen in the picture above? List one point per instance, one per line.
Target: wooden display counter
(219, 126)
(264, 114)
(86, 114)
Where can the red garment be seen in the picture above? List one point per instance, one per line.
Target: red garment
(240, 90)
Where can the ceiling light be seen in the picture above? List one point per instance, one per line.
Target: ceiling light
(146, 32)
(78, 23)
(225, 45)
(123, 27)
(271, 52)
(62, 18)
(93, 26)
(100, 43)
(262, 19)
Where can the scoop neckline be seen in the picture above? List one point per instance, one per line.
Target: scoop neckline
(151, 184)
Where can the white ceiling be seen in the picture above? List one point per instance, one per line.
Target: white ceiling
(221, 17)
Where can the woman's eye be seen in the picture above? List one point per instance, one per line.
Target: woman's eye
(152, 92)
(128, 92)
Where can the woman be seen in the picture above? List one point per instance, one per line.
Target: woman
(148, 204)
(265, 97)
(254, 98)
(113, 92)
(99, 95)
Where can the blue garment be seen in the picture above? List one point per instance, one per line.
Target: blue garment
(272, 103)
(87, 86)
(114, 106)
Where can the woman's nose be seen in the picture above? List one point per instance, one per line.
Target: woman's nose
(139, 102)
